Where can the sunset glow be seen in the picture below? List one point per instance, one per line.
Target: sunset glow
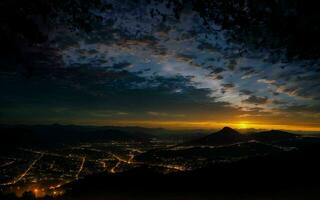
(206, 125)
(159, 99)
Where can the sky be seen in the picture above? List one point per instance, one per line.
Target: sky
(135, 69)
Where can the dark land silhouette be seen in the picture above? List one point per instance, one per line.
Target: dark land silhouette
(262, 165)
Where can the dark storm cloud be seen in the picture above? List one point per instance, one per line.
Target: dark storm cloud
(256, 100)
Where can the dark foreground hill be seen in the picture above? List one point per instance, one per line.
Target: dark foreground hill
(265, 171)
(285, 175)
(265, 165)
(281, 176)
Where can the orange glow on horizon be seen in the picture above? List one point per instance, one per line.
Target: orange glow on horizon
(243, 125)
(205, 125)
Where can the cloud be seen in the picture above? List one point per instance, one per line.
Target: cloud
(278, 102)
(247, 72)
(121, 65)
(232, 64)
(228, 85)
(245, 92)
(302, 108)
(309, 77)
(108, 113)
(256, 100)
(218, 70)
(217, 77)
(266, 81)
(185, 57)
(291, 91)
(147, 68)
(164, 114)
(205, 46)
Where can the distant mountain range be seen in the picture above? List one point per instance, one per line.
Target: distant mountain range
(52, 135)
(46, 135)
(228, 135)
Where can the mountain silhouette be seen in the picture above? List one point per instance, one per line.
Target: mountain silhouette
(228, 136)
(52, 135)
(225, 136)
(272, 136)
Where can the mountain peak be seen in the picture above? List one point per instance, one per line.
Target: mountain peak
(228, 130)
(225, 136)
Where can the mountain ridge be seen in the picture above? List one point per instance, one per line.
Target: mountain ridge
(227, 136)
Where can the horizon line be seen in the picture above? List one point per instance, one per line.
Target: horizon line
(236, 126)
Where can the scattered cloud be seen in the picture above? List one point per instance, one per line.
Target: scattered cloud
(256, 100)
(266, 81)
(245, 92)
(160, 69)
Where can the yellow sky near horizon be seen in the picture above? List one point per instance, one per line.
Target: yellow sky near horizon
(207, 125)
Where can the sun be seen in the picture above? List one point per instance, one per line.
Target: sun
(243, 125)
